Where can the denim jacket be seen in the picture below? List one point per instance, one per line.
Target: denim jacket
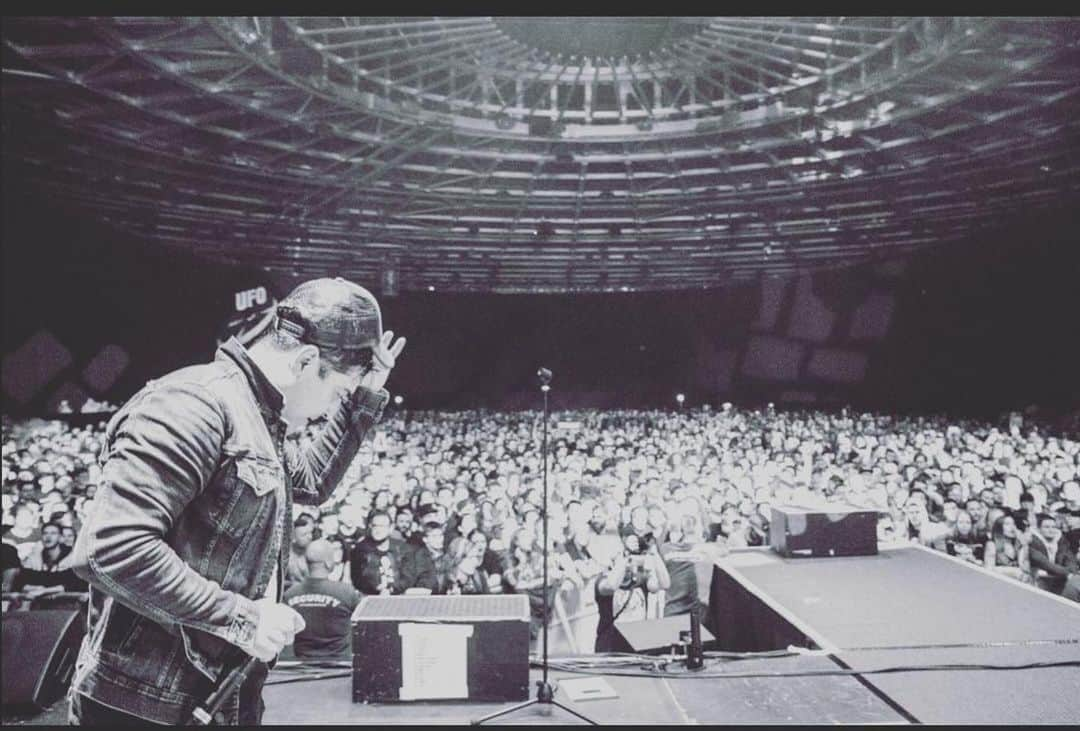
(189, 523)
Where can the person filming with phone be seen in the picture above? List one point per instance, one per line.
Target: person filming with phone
(623, 591)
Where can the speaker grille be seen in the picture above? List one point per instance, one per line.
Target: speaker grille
(483, 607)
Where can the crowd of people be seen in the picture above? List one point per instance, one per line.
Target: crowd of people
(89, 406)
(453, 502)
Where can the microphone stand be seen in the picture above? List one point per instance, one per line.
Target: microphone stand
(545, 694)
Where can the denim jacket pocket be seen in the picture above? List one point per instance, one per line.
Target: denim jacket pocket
(120, 630)
(259, 477)
(244, 495)
(199, 657)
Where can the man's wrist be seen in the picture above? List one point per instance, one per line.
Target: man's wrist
(369, 402)
(244, 621)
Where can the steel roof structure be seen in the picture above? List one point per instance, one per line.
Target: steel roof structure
(545, 154)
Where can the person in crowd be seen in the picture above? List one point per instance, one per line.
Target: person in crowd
(716, 513)
(491, 562)
(1043, 553)
(623, 466)
(1007, 552)
(341, 571)
(577, 548)
(68, 535)
(978, 510)
(325, 605)
(1027, 507)
(622, 592)
(430, 513)
(51, 554)
(328, 525)
(887, 533)
(1072, 520)
(403, 523)
(376, 561)
(524, 574)
(685, 550)
(466, 574)
(1070, 494)
(949, 511)
(197, 480)
(920, 528)
(1069, 557)
(424, 567)
(352, 527)
(25, 533)
(303, 534)
(963, 541)
(9, 559)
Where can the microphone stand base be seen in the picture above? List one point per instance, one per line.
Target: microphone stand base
(545, 696)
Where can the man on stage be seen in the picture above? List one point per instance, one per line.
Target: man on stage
(186, 545)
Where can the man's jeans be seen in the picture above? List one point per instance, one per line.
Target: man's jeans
(245, 708)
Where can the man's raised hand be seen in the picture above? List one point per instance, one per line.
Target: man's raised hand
(385, 357)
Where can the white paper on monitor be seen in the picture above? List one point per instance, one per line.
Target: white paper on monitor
(587, 689)
(434, 661)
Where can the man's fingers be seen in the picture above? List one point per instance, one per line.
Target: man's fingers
(386, 354)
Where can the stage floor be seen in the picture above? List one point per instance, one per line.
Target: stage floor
(910, 607)
(902, 597)
(641, 701)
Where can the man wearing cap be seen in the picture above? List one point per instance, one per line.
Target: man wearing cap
(185, 549)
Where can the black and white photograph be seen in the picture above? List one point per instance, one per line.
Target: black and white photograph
(520, 369)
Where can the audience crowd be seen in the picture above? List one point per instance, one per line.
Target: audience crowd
(452, 502)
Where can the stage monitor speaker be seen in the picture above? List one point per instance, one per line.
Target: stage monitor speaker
(654, 636)
(408, 648)
(832, 530)
(39, 652)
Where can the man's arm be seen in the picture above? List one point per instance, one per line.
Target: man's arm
(1041, 560)
(317, 468)
(160, 454)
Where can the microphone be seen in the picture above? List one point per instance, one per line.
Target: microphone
(203, 715)
(544, 375)
(695, 656)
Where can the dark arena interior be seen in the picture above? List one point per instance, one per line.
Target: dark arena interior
(789, 304)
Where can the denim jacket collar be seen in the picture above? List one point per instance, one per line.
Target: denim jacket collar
(270, 399)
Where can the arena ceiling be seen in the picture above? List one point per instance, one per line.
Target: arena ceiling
(545, 154)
